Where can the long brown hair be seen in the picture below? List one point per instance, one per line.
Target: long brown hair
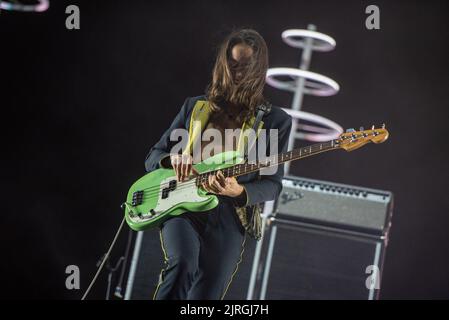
(247, 93)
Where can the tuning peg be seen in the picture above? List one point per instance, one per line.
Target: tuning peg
(350, 130)
(383, 125)
(372, 128)
(362, 128)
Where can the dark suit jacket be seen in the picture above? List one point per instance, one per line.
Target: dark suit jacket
(257, 190)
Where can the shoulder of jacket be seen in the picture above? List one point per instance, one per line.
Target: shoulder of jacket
(195, 99)
(190, 102)
(278, 114)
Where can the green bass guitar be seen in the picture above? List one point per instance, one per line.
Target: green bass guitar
(158, 195)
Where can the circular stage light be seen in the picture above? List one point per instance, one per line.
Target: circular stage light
(315, 84)
(324, 131)
(320, 42)
(41, 6)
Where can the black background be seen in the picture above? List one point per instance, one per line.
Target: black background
(81, 108)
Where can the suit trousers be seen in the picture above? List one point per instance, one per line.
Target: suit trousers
(202, 251)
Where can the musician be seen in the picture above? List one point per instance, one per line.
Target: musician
(202, 250)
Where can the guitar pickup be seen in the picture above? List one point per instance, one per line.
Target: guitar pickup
(137, 198)
(172, 185)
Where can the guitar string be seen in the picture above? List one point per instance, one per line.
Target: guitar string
(309, 149)
(180, 186)
(205, 175)
(267, 164)
(251, 168)
(186, 184)
(247, 166)
(152, 191)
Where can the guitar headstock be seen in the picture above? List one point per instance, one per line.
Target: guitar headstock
(351, 139)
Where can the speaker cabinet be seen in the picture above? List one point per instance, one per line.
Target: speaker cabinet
(324, 241)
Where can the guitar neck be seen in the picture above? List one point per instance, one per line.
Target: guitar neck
(295, 154)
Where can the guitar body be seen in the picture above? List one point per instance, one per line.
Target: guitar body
(157, 196)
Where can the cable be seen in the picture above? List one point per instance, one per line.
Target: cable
(106, 256)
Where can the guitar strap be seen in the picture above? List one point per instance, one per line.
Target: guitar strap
(200, 117)
(250, 216)
(261, 110)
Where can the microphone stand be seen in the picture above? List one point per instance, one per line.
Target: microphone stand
(121, 261)
(118, 289)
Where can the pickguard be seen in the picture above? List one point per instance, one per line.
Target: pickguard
(185, 192)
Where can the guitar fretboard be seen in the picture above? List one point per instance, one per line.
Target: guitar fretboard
(295, 154)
